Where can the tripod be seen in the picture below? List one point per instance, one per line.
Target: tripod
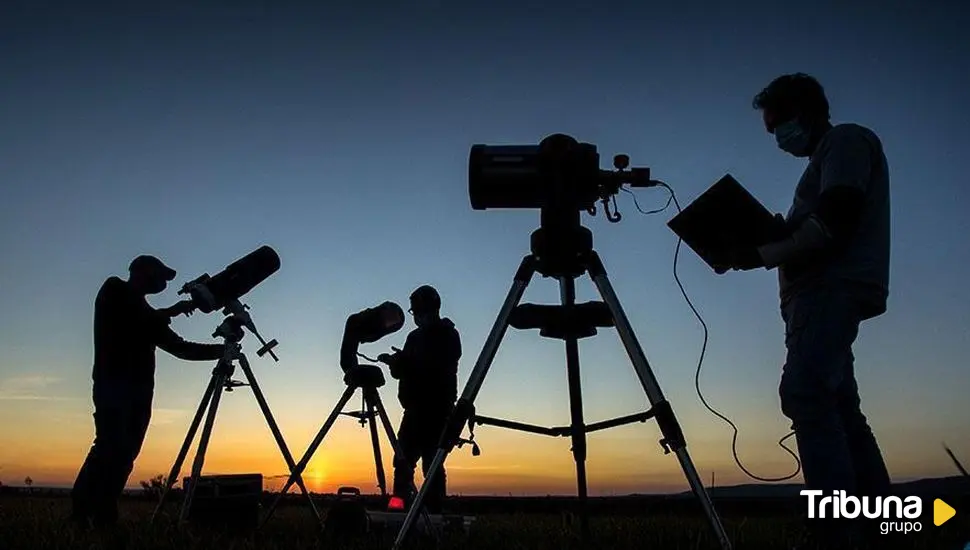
(369, 411)
(563, 248)
(367, 378)
(231, 332)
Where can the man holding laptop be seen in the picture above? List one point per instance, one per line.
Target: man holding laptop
(833, 271)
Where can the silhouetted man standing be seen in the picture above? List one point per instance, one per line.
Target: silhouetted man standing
(833, 274)
(427, 369)
(126, 332)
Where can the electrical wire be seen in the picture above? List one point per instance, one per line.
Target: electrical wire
(700, 361)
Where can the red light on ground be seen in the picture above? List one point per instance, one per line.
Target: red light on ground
(396, 503)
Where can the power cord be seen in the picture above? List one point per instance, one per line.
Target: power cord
(700, 361)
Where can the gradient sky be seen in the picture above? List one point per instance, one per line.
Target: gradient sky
(340, 137)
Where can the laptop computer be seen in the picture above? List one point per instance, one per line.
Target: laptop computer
(725, 217)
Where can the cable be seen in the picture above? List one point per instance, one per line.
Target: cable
(700, 361)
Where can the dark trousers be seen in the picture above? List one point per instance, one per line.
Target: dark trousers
(418, 439)
(820, 395)
(122, 413)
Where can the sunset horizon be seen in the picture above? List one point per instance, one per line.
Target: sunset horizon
(620, 461)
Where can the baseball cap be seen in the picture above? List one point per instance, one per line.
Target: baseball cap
(151, 265)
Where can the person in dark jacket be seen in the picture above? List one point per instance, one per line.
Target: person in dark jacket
(126, 332)
(427, 369)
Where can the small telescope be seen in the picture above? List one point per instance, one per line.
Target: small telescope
(367, 326)
(223, 291)
(558, 174)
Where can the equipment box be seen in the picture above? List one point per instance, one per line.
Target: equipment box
(226, 500)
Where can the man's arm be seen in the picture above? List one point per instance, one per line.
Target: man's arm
(174, 344)
(449, 353)
(845, 166)
(401, 363)
(184, 307)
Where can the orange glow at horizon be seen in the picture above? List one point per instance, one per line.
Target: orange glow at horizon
(50, 448)
(510, 463)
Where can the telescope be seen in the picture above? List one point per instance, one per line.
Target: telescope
(559, 173)
(367, 326)
(238, 278)
(561, 177)
(223, 291)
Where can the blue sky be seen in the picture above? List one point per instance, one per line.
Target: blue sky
(341, 139)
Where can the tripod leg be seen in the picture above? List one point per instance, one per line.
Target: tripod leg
(464, 408)
(298, 469)
(210, 419)
(396, 447)
(666, 420)
(261, 400)
(567, 287)
(193, 428)
(378, 460)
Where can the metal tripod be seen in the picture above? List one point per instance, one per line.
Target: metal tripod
(367, 378)
(367, 415)
(231, 332)
(565, 251)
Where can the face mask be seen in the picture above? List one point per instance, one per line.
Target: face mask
(792, 138)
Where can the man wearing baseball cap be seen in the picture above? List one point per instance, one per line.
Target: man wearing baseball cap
(126, 332)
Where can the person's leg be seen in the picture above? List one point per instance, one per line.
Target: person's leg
(820, 331)
(137, 419)
(437, 490)
(405, 462)
(821, 327)
(89, 475)
(871, 475)
(92, 497)
(87, 480)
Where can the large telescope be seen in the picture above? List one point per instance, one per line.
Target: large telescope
(558, 173)
(366, 326)
(224, 290)
(238, 278)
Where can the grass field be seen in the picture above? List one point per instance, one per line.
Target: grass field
(32, 522)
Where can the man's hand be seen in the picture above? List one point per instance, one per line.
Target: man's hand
(185, 307)
(746, 258)
(387, 358)
(742, 258)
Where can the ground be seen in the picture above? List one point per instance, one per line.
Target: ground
(35, 522)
